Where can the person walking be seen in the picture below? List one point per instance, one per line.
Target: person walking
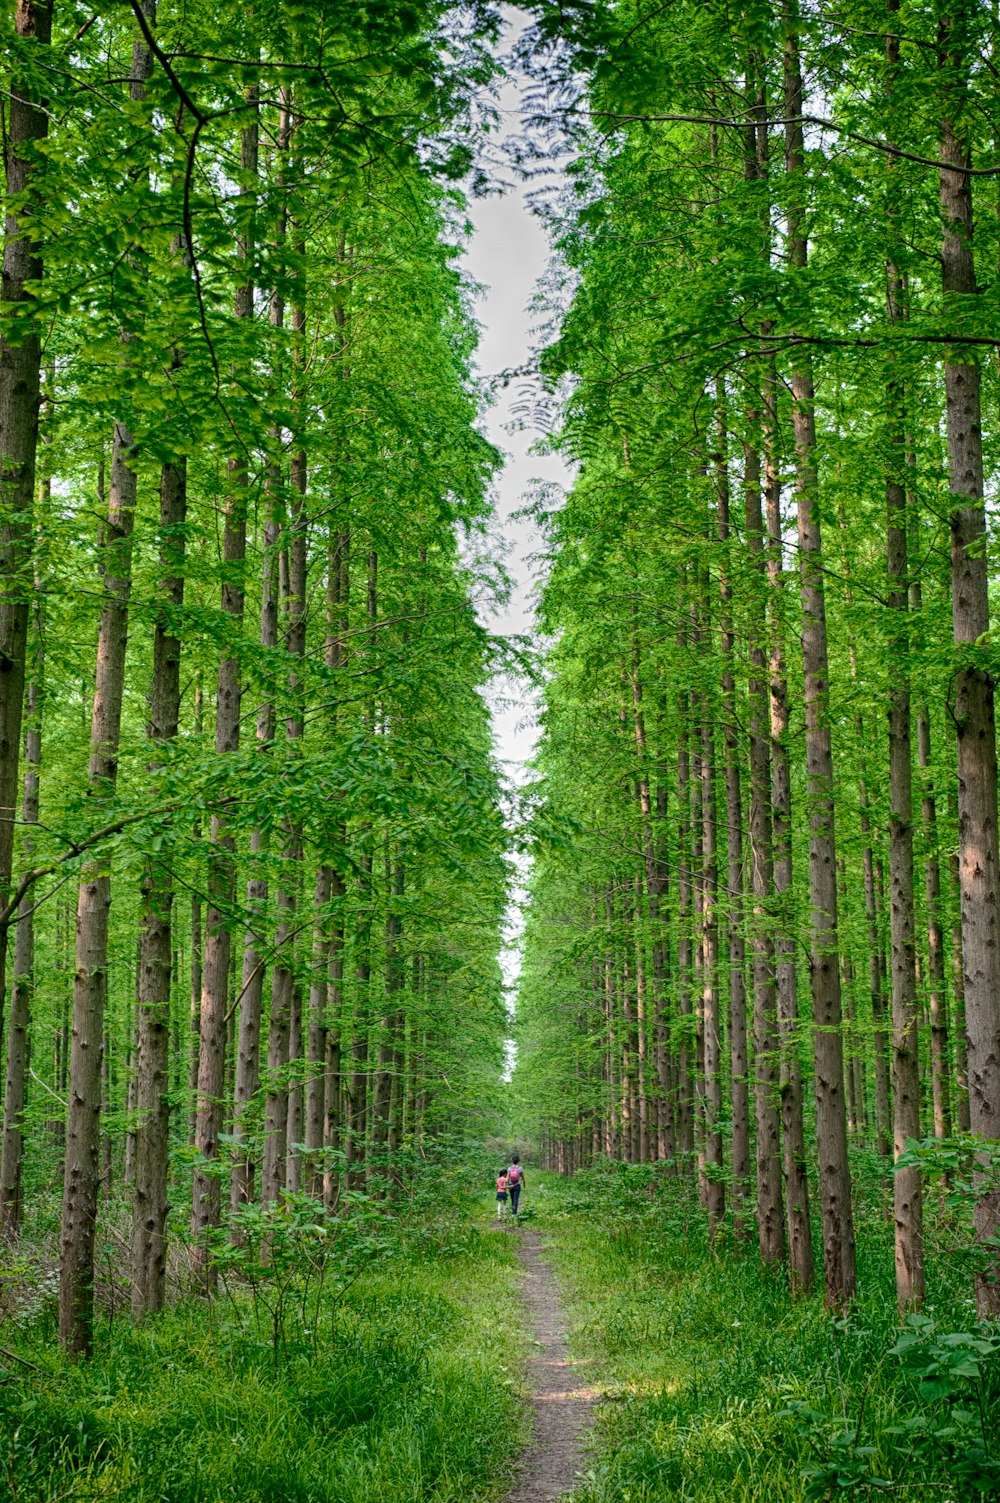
(515, 1183)
(501, 1193)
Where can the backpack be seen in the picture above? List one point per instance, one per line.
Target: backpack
(514, 1175)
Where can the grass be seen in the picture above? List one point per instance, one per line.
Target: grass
(401, 1397)
(396, 1376)
(718, 1386)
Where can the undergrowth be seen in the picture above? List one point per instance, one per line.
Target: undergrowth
(385, 1374)
(718, 1386)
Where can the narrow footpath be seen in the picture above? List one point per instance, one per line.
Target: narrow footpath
(552, 1462)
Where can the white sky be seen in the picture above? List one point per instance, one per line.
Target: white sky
(508, 253)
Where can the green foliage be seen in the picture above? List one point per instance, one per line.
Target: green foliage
(389, 1375)
(717, 1385)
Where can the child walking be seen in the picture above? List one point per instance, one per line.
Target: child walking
(501, 1194)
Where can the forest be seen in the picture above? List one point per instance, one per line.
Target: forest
(304, 977)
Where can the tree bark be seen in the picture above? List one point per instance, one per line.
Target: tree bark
(907, 1189)
(824, 966)
(206, 1198)
(767, 1122)
(338, 622)
(82, 1172)
(194, 1011)
(973, 691)
(739, 1064)
(27, 123)
(685, 1114)
(254, 963)
(153, 1011)
(715, 1190)
(22, 988)
(800, 1253)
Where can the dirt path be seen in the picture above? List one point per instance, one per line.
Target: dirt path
(552, 1461)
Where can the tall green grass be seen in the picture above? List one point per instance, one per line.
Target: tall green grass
(406, 1398)
(718, 1386)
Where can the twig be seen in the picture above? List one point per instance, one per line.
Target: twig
(15, 1358)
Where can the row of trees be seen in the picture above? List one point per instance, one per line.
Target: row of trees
(764, 911)
(256, 865)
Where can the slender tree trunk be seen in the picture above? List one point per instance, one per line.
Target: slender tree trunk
(767, 1122)
(390, 1058)
(276, 1136)
(796, 1182)
(973, 691)
(667, 1134)
(907, 1190)
(25, 127)
(611, 1136)
(338, 622)
(254, 963)
(958, 986)
(767, 1057)
(641, 1025)
(685, 1113)
(626, 1045)
(357, 1127)
(293, 1158)
(153, 1011)
(82, 1170)
(81, 1175)
(206, 1199)
(22, 988)
(800, 1252)
(937, 986)
(659, 1132)
(739, 1064)
(698, 982)
(873, 910)
(317, 1071)
(715, 1190)
(333, 1112)
(824, 966)
(196, 959)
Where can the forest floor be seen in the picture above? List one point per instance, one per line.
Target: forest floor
(391, 1377)
(604, 1350)
(713, 1386)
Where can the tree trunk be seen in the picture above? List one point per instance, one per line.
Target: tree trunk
(685, 1114)
(206, 1198)
(824, 966)
(800, 1252)
(641, 1025)
(81, 1175)
(973, 690)
(82, 1170)
(26, 125)
(739, 1064)
(958, 986)
(770, 1218)
(293, 597)
(317, 1068)
(907, 1190)
(196, 961)
(333, 1111)
(252, 984)
(659, 1129)
(22, 988)
(715, 1190)
(338, 623)
(153, 1012)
